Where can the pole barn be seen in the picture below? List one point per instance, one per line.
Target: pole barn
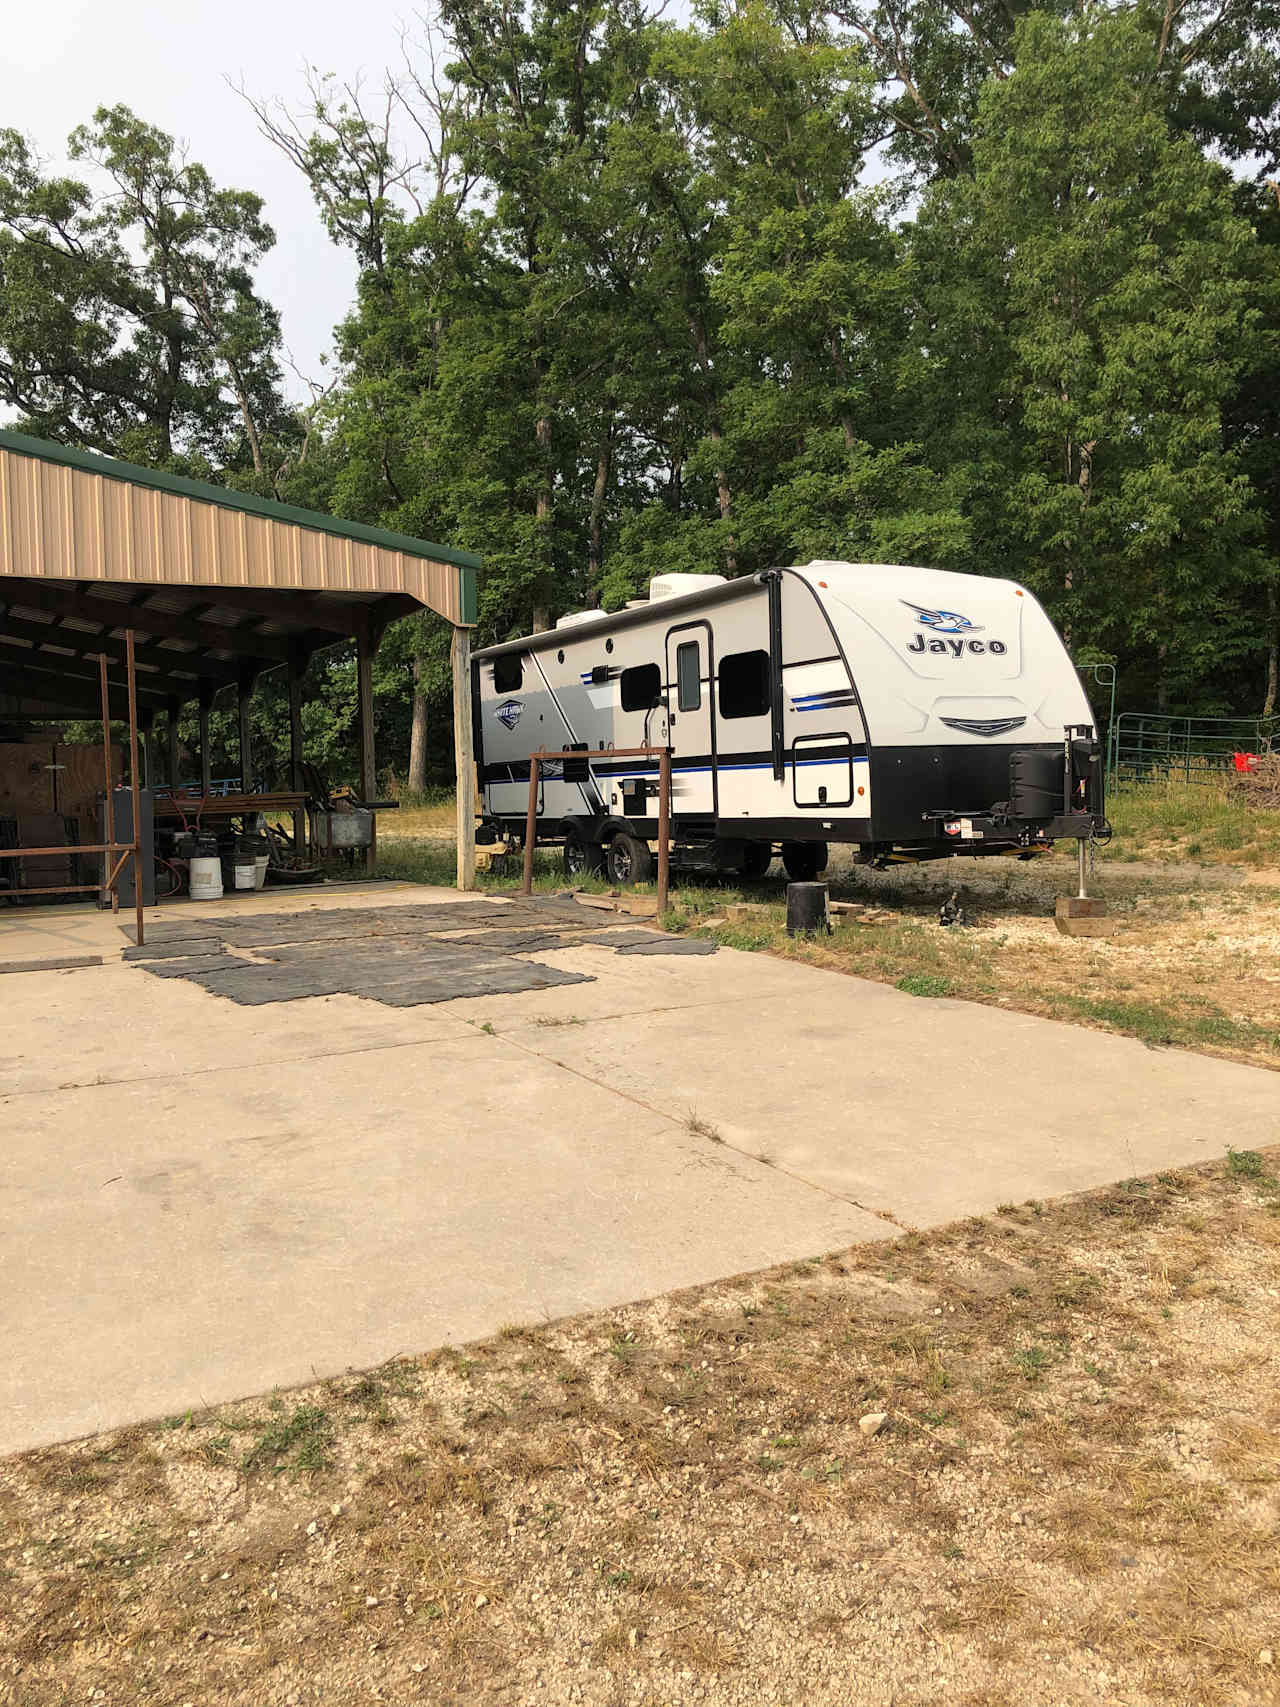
(215, 587)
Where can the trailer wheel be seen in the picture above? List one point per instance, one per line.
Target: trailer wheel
(628, 861)
(581, 857)
(757, 857)
(804, 860)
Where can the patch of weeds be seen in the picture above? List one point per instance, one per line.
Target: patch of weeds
(215, 1449)
(831, 1472)
(1246, 1164)
(924, 984)
(624, 1348)
(299, 1442)
(557, 1019)
(1032, 1360)
(697, 1127)
(488, 1030)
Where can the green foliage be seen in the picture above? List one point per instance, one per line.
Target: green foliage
(643, 298)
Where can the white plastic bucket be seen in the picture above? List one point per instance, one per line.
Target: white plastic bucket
(206, 878)
(246, 873)
(260, 864)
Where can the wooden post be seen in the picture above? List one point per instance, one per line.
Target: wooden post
(664, 827)
(464, 758)
(296, 666)
(207, 691)
(175, 707)
(368, 765)
(133, 785)
(531, 827)
(244, 696)
(110, 784)
(147, 724)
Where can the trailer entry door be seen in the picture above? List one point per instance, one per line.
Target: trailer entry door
(690, 701)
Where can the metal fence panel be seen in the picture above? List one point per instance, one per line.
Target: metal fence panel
(1145, 745)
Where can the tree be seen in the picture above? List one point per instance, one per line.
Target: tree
(1096, 261)
(128, 318)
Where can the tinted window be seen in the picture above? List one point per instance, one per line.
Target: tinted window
(688, 673)
(744, 684)
(508, 673)
(641, 687)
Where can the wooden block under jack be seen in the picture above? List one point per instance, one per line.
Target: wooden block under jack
(1077, 915)
(639, 906)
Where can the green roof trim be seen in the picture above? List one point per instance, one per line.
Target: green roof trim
(89, 462)
(470, 597)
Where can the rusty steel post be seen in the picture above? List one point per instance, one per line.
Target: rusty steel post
(531, 825)
(133, 784)
(664, 827)
(106, 765)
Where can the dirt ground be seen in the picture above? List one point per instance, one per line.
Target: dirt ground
(1032, 1457)
(1194, 961)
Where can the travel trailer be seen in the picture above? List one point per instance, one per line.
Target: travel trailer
(912, 712)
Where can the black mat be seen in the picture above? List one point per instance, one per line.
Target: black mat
(401, 956)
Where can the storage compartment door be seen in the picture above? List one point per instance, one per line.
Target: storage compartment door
(822, 770)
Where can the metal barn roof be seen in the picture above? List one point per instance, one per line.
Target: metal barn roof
(211, 580)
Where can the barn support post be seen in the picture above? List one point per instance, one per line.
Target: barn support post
(147, 724)
(366, 644)
(171, 732)
(244, 698)
(297, 664)
(207, 691)
(133, 785)
(110, 783)
(464, 757)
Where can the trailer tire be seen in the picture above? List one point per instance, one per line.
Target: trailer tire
(581, 857)
(804, 860)
(628, 861)
(757, 857)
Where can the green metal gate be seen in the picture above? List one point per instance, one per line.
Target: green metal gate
(1144, 745)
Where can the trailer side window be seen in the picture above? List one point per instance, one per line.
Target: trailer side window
(508, 673)
(641, 687)
(688, 676)
(744, 684)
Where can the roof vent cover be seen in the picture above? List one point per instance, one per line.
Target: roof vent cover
(674, 586)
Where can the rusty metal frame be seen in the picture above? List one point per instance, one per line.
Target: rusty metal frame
(110, 846)
(663, 756)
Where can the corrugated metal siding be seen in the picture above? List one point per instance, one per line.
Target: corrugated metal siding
(64, 523)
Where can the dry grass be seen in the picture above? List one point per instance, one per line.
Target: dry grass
(1074, 1497)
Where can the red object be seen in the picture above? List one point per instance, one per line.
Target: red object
(1245, 761)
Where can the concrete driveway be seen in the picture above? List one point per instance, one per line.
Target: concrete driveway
(204, 1199)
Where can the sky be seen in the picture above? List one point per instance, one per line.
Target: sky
(170, 61)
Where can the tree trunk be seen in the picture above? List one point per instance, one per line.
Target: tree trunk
(726, 505)
(418, 729)
(595, 541)
(1273, 653)
(542, 515)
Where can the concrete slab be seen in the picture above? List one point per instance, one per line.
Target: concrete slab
(173, 1242)
(921, 1109)
(205, 1200)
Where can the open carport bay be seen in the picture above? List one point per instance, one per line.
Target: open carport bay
(208, 1198)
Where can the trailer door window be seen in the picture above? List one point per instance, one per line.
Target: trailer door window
(689, 676)
(508, 673)
(744, 684)
(641, 687)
